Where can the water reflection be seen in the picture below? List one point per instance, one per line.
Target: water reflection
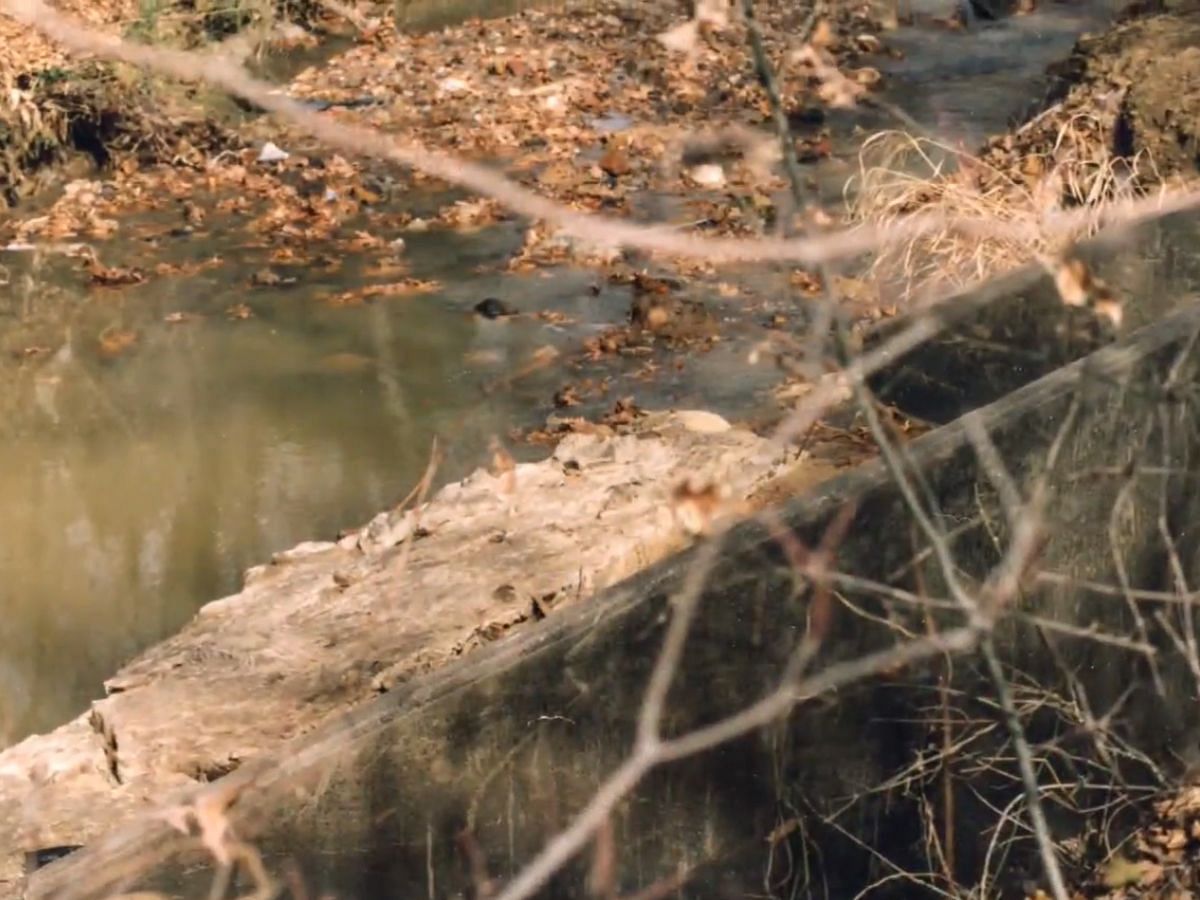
(133, 489)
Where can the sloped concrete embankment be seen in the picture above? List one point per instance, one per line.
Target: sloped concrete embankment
(329, 625)
(507, 745)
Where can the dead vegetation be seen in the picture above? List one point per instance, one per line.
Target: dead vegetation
(56, 108)
(901, 175)
(1114, 127)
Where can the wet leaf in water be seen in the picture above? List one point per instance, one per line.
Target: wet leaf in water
(468, 215)
(566, 396)
(113, 276)
(388, 267)
(345, 363)
(114, 342)
(483, 357)
(268, 278)
(402, 288)
(364, 240)
(239, 312)
(615, 162)
(193, 215)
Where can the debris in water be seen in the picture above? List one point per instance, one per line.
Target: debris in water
(494, 308)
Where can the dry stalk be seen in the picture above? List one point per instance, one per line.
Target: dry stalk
(901, 175)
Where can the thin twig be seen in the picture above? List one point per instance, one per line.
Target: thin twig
(1033, 799)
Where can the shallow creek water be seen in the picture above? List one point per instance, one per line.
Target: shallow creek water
(134, 489)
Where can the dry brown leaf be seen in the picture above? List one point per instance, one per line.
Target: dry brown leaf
(114, 342)
(1073, 280)
(823, 36)
(696, 503)
(683, 38)
(615, 162)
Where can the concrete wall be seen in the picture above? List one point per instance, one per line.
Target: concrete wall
(508, 745)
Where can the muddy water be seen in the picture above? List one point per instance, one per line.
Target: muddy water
(132, 489)
(975, 82)
(136, 485)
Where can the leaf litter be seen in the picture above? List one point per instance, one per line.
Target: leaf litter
(604, 106)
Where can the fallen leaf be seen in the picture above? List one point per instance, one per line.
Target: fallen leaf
(114, 342)
(112, 276)
(682, 38)
(1073, 280)
(615, 162)
(1121, 872)
(823, 36)
(695, 503)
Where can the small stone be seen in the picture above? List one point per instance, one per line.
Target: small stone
(707, 175)
(271, 153)
(701, 421)
(452, 85)
(493, 308)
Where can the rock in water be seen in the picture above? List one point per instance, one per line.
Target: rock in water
(493, 308)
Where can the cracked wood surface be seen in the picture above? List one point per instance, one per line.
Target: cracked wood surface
(327, 625)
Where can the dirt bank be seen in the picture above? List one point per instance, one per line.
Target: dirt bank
(102, 116)
(1125, 107)
(59, 107)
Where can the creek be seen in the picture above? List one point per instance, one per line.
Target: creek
(134, 489)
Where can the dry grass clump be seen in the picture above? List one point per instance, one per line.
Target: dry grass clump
(1014, 186)
(108, 112)
(199, 23)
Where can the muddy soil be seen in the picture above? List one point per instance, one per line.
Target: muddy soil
(67, 116)
(1129, 95)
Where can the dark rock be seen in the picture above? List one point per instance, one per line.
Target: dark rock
(806, 116)
(493, 308)
(36, 859)
(992, 10)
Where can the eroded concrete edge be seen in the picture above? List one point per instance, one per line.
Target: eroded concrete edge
(327, 625)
